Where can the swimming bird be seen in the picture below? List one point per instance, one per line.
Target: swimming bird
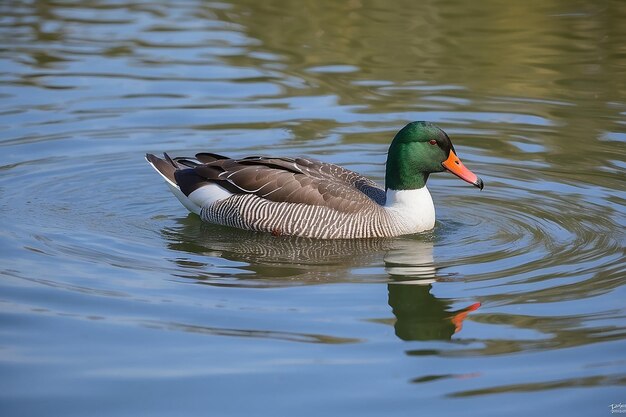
(310, 198)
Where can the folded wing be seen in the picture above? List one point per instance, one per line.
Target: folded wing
(292, 181)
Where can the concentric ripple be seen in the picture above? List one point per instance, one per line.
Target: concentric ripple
(109, 289)
(541, 245)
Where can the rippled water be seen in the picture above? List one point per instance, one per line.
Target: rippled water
(513, 304)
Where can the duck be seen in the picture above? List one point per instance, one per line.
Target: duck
(309, 198)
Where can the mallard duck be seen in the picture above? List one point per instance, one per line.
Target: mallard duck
(310, 198)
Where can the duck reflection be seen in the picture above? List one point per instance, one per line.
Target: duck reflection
(255, 259)
(260, 259)
(418, 314)
(421, 316)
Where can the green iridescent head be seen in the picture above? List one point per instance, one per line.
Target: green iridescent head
(419, 149)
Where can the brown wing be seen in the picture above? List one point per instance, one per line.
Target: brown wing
(354, 179)
(292, 180)
(323, 170)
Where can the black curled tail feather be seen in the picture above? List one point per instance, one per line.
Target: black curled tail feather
(178, 174)
(164, 167)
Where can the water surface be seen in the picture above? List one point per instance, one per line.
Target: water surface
(115, 301)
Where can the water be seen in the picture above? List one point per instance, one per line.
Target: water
(114, 301)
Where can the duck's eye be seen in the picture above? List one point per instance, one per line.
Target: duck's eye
(432, 142)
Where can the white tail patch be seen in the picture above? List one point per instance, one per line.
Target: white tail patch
(185, 201)
(208, 194)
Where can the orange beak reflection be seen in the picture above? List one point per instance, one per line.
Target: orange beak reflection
(459, 316)
(455, 166)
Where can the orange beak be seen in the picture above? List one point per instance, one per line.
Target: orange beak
(455, 166)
